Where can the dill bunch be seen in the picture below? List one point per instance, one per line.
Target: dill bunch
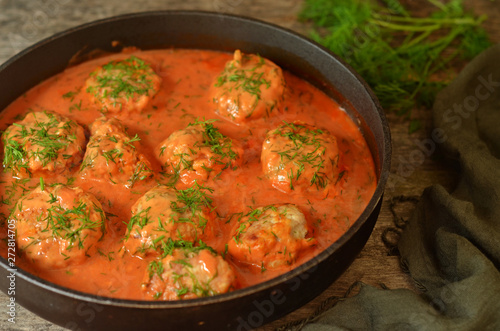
(405, 59)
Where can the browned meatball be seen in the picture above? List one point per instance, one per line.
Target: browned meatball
(198, 152)
(42, 142)
(250, 87)
(164, 213)
(188, 273)
(122, 86)
(58, 226)
(112, 155)
(298, 156)
(270, 237)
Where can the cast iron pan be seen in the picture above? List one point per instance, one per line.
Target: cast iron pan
(242, 309)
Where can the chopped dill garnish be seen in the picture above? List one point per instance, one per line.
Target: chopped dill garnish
(40, 141)
(246, 220)
(68, 223)
(247, 79)
(122, 79)
(221, 154)
(218, 143)
(305, 147)
(188, 207)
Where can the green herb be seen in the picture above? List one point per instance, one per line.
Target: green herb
(75, 106)
(403, 58)
(183, 262)
(112, 155)
(305, 148)
(70, 95)
(141, 172)
(14, 155)
(187, 279)
(246, 220)
(70, 181)
(182, 291)
(121, 145)
(45, 138)
(132, 140)
(124, 78)
(191, 202)
(155, 267)
(341, 174)
(169, 245)
(186, 208)
(247, 80)
(218, 143)
(68, 223)
(12, 192)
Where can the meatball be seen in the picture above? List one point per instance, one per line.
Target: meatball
(123, 86)
(248, 88)
(43, 142)
(163, 213)
(58, 226)
(270, 237)
(198, 151)
(112, 155)
(300, 156)
(188, 273)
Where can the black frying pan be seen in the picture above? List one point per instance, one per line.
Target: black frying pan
(242, 309)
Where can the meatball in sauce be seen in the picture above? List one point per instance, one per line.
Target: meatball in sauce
(188, 273)
(300, 156)
(42, 143)
(250, 87)
(58, 226)
(122, 86)
(112, 155)
(200, 173)
(165, 213)
(198, 152)
(270, 237)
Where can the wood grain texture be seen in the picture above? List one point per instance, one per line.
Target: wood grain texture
(24, 22)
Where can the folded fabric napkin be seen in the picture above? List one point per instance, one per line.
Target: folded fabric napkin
(451, 244)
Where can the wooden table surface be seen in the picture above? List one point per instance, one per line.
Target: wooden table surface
(23, 22)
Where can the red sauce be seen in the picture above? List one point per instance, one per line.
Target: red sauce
(187, 76)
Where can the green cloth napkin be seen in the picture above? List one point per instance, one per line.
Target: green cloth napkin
(451, 245)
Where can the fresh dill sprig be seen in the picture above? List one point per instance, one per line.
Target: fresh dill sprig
(405, 59)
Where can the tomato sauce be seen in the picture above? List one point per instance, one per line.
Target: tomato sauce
(187, 76)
